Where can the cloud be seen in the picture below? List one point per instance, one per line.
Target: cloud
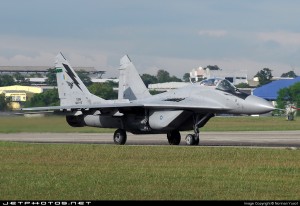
(213, 33)
(283, 38)
(15, 51)
(230, 66)
(40, 59)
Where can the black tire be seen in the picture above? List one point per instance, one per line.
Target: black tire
(190, 139)
(197, 140)
(120, 137)
(290, 117)
(174, 137)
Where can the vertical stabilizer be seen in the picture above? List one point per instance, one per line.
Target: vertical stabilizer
(131, 86)
(71, 89)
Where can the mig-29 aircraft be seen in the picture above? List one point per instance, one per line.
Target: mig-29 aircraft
(138, 112)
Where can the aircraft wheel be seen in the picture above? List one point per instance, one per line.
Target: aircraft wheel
(174, 137)
(120, 136)
(290, 117)
(190, 139)
(197, 140)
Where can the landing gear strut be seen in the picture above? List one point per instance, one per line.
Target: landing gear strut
(199, 121)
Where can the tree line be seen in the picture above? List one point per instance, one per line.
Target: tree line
(105, 90)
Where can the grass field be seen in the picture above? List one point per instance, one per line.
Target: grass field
(111, 172)
(15, 124)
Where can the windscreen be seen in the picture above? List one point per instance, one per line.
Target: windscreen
(223, 85)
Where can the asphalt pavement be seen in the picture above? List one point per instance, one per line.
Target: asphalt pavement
(259, 138)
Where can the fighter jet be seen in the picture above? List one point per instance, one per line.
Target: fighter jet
(137, 111)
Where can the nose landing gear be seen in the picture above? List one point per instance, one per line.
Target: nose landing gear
(199, 121)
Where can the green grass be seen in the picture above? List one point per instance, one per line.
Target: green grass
(51, 123)
(111, 172)
(249, 123)
(15, 124)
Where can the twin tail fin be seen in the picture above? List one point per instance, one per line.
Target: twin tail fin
(71, 89)
(131, 85)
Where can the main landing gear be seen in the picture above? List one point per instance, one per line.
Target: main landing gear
(120, 136)
(174, 137)
(199, 121)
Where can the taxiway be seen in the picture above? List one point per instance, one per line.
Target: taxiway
(260, 138)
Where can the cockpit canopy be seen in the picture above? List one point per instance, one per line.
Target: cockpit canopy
(224, 85)
(220, 84)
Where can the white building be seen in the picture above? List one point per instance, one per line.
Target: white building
(204, 73)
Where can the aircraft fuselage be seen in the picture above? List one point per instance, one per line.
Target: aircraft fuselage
(157, 117)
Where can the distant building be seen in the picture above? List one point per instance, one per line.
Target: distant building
(204, 73)
(167, 86)
(270, 91)
(199, 74)
(38, 81)
(19, 94)
(34, 72)
(235, 78)
(104, 80)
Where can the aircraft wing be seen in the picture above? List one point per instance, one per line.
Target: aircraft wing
(82, 107)
(122, 106)
(190, 107)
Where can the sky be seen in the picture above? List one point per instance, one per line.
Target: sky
(240, 36)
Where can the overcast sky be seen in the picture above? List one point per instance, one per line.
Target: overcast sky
(173, 35)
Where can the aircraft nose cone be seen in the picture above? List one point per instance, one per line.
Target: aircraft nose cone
(257, 105)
